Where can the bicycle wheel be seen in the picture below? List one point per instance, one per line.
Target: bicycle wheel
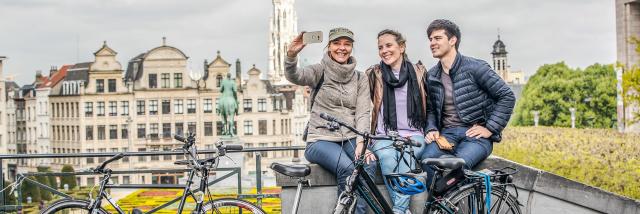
(465, 201)
(70, 206)
(230, 206)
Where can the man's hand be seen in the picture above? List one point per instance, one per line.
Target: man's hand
(368, 156)
(296, 46)
(432, 136)
(478, 131)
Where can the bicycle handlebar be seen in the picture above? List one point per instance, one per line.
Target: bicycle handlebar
(112, 159)
(404, 140)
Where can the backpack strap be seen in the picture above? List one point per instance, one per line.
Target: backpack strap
(316, 89)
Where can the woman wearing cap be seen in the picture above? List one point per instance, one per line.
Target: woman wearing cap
(399, 105)
(341, 92)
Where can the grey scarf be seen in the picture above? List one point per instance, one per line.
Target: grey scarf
(341, 73)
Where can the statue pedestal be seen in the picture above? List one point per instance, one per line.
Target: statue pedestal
(230, 160)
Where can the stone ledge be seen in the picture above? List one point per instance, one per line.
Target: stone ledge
(539, 191)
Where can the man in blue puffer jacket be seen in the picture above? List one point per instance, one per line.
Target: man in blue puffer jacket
(469, 104)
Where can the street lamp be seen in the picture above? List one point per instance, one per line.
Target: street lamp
(573, 117)
(129, 121)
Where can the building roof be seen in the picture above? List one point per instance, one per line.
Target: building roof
(499, 47)
(130, 74)
(78, 71)
(54, 79)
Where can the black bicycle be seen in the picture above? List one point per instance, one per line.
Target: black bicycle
(452, 190)
(198, 167)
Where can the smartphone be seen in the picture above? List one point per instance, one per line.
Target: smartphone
(312, 37)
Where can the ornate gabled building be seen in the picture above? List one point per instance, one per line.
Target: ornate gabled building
(98, 107)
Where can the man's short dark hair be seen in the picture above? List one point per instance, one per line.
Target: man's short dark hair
(450, 28)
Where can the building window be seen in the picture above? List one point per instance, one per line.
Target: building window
(191, 127)
(140, 107)
(219, 128)
(217, 105)
(155, 149)
(178, 107)
(262, 127)
(208, 128)
(142, 131)
(191, 106)
(112, 85)
(125, 131)
(264, 153)
(166, 149)
(262, 105)
(88, 109)
(246, 105)
(125, 159)
(100, 108)
(101, 132)
(113, 108)
(99, 86)
(113, 131)
(207, 105)
(125, 107)
(153, 129)
(248, 127)
(166, 106)
(180, 128)
(88, 132)
(165, 80)
(166, 130)
(177, 77)
(153, 107)
(142, 158)
(218, 80)
(153, 80)
(90, 159)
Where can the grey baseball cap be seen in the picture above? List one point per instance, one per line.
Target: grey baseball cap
(340, 32)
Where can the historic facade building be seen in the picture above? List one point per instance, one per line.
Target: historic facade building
(99, 107)
(627, 26)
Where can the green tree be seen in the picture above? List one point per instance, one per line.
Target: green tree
(555, 88)
(68, 179)
(44, 194)
(9, 198)
(631, 84)
(30, 190)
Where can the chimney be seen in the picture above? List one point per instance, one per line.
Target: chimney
(238, 75)
(53, 70)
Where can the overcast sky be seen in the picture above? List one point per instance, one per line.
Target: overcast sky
(35, 35)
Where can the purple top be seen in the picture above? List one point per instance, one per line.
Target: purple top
(401, 111)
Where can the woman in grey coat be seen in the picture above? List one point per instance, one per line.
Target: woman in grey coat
(344, 94)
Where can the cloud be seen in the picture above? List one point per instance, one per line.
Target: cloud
(37, 34)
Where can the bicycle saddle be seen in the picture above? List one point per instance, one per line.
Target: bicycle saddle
(291, 170)
(200, 161)
(445, 162)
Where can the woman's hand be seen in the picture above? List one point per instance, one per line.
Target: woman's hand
(368, 155)
(296, 46)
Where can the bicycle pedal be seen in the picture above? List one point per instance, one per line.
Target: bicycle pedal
(136, 211)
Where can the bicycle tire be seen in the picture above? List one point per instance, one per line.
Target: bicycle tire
(230, 205)
(463, 201)
(70, 206)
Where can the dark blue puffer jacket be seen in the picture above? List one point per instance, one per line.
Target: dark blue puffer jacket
(480, 96)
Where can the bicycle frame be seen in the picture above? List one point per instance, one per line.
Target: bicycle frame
(104, 184)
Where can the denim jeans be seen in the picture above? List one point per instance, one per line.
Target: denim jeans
(337, 158)
(389, 159)
(472, 150)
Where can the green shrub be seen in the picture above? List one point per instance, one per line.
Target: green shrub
(598, 157)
